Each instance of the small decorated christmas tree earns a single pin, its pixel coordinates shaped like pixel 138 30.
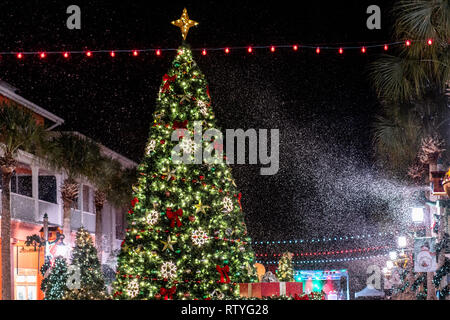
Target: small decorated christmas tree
pixel 55 278
pixel 85 259
pixel 285 271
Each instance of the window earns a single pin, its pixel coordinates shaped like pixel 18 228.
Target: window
pixel 21 184
pixel 47 188
pixel 26 284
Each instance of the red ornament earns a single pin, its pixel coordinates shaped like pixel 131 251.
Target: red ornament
pixel 167 194
pixel 162 141
pixel 191 218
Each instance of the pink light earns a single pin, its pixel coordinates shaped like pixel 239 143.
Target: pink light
pixel 386 47
pixel 295 47
pixel 317 50
pixel 363 49
pixel 158 52
pixel 341 51
pixel 204 52
pixel 272 48
pixel 88 53
pixel 19 56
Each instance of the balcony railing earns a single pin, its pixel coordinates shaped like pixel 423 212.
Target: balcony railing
pixel 23 209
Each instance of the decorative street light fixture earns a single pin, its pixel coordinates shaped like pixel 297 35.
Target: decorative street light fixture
pixel 401 241
pixel 393 255
pixel 417 214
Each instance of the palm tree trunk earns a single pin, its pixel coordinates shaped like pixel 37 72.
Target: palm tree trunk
pixel 100 199
pixel 6 235
pixel 69 192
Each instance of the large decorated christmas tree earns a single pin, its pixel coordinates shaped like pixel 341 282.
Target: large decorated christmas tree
pixel 187 238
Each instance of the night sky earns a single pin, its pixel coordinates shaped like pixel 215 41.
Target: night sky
pixel 323 104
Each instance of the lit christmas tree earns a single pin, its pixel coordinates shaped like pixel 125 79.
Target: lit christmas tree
pixel 187 237
pixel 84 257
pixel 285 271
pixel 55 278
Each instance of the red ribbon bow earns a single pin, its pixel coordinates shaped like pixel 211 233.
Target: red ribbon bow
pixel 167 293
pixel 179 124
pixel 167 80
pixel 173 216
pixel 134 201
pixel 223 272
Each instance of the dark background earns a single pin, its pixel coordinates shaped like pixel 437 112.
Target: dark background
pixel 323 104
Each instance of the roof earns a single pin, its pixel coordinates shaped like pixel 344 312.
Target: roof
pixel 9 91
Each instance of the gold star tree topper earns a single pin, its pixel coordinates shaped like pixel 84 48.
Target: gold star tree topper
pixel 184 23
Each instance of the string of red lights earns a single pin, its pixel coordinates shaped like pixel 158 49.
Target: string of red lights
pixel 158 51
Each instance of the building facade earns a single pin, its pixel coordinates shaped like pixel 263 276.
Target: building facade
pixel 35 192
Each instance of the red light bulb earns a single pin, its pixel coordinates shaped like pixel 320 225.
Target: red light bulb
pixel 295 47
pixel 88 53
pixel 227 50
pixel 363 49
pixel 158 52
pixel 430 42
pixel 204 52
pixel 42 55
pixel 341 51
pixel 249 49
pixel 272 48
pixel 19 56
pixel 408 43
pixel 135 53
pixel 112 54
pixel 386 47
pixel 65 54
pixel 317 50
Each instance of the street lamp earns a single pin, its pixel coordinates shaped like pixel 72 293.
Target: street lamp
pixel 389 264
pixel 393 255
pixel 417 214
pixel 401 241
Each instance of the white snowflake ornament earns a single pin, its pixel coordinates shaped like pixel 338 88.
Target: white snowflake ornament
pixel 152 217
pixel 227 204
pixel 133 288
pixel 199 237
pixel 168 270
pixel 150 147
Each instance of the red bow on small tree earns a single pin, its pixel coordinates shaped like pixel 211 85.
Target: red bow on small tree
pixel 167 81
pixel 134 201
pixel 173 217
pixel 167 293
pixel 223 273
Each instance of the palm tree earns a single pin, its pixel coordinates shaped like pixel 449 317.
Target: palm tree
pixel 116 189
pixel 108 169
pixel 411 84
pixel 18 130
pixel 76 156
